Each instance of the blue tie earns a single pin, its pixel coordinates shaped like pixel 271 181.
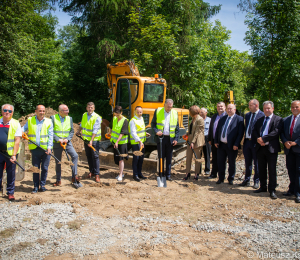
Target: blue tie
pixel 225 127
pixel 250 125
pixel 264 126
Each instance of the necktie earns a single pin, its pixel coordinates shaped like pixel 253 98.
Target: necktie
pixel 264 126
pixel 225 127
pixel 292 127
pixel 250 125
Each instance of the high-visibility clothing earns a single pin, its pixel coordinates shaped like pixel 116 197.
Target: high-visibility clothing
pixel 62 130
pixel 87 127
pixel 116 131
pixel 32 127
pixel 13 127
pixel 140 130
pixel 160 120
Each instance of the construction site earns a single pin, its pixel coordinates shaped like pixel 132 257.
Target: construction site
pixel 137 220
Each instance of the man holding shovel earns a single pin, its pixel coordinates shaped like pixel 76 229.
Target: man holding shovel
pixel 165 123
pixel 10 136
pixel 137 138
pixel 40 131
pixel 91 132
pixel 63 132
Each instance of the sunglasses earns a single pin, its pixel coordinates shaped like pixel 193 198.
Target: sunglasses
pixel 7 110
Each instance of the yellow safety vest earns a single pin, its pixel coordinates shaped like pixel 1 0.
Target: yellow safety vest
pixel 140 130
pixel 160 120
pixel 13 127
pixel 87 127
pixel 116 131
pixel 62 131
pixel 32 126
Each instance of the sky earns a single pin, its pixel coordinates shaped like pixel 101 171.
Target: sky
pixel 230 17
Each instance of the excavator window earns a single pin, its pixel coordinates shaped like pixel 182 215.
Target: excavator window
pixel 153 92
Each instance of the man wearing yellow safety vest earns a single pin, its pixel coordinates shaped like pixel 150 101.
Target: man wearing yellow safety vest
pixel 137 138
pixel 40 131
pixel 10 136
pixel 91 131
pixel 63 132
pixel 165 122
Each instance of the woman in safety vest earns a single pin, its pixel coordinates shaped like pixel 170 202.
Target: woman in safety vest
pixel 119 138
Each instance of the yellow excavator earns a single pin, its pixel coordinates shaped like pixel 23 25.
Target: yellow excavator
pixel 128 89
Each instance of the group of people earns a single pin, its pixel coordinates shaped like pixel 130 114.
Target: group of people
pixel 219 136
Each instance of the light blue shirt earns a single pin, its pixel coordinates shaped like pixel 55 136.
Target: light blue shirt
pixel 206 125
pixel 38 132
pixel 97 124
pixel 224 140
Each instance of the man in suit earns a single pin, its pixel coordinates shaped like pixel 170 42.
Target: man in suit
pixel 211 137
pixel 165 123
pixel 266 133
pixel 249 144
pixel 229 134
pixel 290 136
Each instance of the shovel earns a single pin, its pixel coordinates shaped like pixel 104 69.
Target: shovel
pixel 88 144
pixel 24 136
pixel 138 153
pixel 108 136
pixel 185 137
pixel 76 184
pixel 161 179
pixel 8 157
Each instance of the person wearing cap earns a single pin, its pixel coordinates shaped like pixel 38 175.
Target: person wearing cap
pixel 40 131
pixel 137 131
pixel 63 132
pixel 10 137
pixel 90 130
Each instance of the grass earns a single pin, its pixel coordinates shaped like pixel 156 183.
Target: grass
pixel 20 246
pixel 49 211
pixel 7 232
pixel 27 219
pixel 58 225
pixel 75 224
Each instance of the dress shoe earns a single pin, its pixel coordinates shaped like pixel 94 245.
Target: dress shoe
pixel 90 175
pixel 57 183
pixel 288 194
pixel 212 176
pixel 187 176
pixel 11 197
pixel 136 178
pixel 196 177
pixel 245 183
pixel 260 190
pixel 35 190
pixel 297 200
pixel 256 185
pixel 77 179
pixel 219 182
pixel 141 176
pixel 43 189
pixel 169 179
pixel 273 195
pixel 230 182
pixel 97 178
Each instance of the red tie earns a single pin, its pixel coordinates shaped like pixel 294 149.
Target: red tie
pixel 292 127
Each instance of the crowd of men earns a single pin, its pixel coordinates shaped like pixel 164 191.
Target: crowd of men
pixel 223 132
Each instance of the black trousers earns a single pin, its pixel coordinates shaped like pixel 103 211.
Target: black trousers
pixel 137 161
pixel 267 162
pixel 250 158
pixel 93 158
pixel 225 152
pixel 214 152
pixel 167 152
pixel 207 151
pixel 293 167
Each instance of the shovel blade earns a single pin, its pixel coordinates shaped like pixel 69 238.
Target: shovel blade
pixel 161 182
pixel 77 185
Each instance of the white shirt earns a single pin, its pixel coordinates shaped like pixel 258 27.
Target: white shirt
pixel 167 123
pixel 19 130
pixel 133 129
pixel 224 140
pixel 255 114
pixel 295 121
pixel 266 132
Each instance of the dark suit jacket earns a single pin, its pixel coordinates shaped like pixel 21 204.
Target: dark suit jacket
pixel 285 134
pixel 153 125
pixel 272 137
pixel 235 131
pixel 211 129
pixel 247 121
